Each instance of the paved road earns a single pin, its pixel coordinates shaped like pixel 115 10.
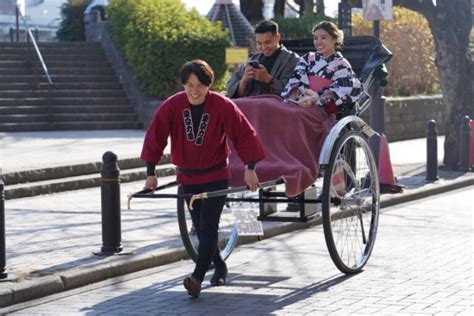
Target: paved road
pixel 422 264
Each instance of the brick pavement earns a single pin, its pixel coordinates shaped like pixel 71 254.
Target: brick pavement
pixel 55 234
pixel 421 265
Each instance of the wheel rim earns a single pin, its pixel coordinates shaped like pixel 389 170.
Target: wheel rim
pixel 228 232
pixel 351 203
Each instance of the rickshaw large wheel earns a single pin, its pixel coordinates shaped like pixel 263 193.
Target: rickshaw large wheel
pixel 350 202
pixel 228 232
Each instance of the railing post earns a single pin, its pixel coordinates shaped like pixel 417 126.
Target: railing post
pixel 110 202
pixel 28 51
pixel 50 105
pixel 431 151
pixel 465 145
pixel 3 255
pixel 36 34
pixel 17 17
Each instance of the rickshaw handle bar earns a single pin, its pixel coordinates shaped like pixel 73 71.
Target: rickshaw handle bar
pixel 206 195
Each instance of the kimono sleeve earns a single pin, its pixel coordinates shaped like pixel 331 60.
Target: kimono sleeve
pixel 345 85
pixel 299 78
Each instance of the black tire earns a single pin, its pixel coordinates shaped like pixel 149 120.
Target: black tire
pixel 228 233
pixel 350 202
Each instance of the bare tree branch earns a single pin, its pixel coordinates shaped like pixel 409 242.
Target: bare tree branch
pixel 292 8
pixel 424 7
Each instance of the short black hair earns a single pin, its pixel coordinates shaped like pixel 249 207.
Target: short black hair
pixel 200 68
pixel 266 26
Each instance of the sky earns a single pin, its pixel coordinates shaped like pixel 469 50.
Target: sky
pixel 203 6
pixel 48 12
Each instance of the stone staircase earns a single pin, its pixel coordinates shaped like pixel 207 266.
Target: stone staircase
pixel 86 93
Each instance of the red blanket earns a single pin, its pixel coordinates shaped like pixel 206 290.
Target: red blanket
pixel 292 137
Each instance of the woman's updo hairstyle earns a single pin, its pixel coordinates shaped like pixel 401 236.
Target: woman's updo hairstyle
pixel 332 30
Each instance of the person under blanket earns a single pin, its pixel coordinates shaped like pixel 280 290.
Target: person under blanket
pixel 200 122
pixel 323 78
pixel 292 130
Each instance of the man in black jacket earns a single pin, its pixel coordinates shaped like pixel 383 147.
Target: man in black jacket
pixel 266 72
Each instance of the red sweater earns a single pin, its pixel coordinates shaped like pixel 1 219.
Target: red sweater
pixel 221 120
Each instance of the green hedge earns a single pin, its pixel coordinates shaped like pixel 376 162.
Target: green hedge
pixel 158 36
pixel 296 28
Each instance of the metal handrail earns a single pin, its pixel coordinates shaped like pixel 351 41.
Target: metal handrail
pixel 40 57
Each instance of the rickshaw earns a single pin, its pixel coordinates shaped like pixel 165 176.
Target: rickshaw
pixel 349 198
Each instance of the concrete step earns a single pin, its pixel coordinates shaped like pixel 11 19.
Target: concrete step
pixel 5 110
pixel 118 93
pixel 93 117
pixel 17 86
pixel 51 50
pixel 107 109
pixel 42 45
pixel 14 64
pixel 24 118
pixel 79 182
pixel 67 171
pixel 69 126
pixel 53 56
pixel 31 79
pixel 67 101
pixel 72 64
pixel 81 71
pixel 68 117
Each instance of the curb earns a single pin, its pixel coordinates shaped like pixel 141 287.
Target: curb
pixel 29 183
pixel 81 276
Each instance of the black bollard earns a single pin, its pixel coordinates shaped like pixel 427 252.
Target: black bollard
pixel 465 145
pixel 431 151
pixel 110 202
pixel 3 255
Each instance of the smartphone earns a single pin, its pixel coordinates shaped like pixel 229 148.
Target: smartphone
pixel 254 63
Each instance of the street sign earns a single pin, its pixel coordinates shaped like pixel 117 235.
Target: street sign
pixel 236 55
pixel 376 10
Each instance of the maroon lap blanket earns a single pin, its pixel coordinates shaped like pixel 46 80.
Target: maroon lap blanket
pixel 292 137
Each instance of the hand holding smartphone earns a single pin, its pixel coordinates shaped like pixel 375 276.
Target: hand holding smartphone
pixel 254 64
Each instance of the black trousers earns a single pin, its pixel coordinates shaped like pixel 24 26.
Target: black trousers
pixel 205 216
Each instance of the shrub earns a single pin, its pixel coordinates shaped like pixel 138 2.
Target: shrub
pixel 158 36
pixel 72 25
pixel 411 70
pixel 296 28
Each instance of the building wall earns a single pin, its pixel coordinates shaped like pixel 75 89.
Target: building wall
pixel 406 117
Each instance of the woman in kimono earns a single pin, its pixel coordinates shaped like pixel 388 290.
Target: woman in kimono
pixel 323 78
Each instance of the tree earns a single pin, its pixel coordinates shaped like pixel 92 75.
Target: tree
pixel 279 8
pixel 308 7
pixel 320 8
pixel 450 23
pixel 252 9
pixel 72 25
